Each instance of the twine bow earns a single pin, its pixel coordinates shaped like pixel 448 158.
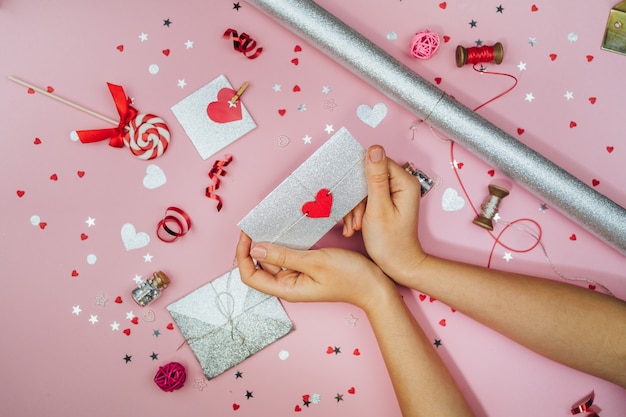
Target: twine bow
pixel 115 134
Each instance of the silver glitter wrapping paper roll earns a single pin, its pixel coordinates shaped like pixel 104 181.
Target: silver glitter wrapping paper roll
pixel 576 200
pixel 225 322
pixel 338 166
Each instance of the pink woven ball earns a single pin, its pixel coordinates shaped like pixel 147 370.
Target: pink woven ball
pixel 424 44
pixel 170 377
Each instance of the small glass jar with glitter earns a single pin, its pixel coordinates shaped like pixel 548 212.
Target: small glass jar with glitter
pixel 150 289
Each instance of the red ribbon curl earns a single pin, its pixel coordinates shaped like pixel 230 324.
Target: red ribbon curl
pixel 175 216
pixel 214 173
pixel 243 43
pixel 115 134
pixel 585 407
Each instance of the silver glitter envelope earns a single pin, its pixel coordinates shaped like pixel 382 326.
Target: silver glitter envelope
pixel 210 120
pixel 310 201
pixel 225 322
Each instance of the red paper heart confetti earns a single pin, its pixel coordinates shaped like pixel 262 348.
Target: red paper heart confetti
pixel 222 110
pixel 432 299
pixel 30 91
pixel 74 273
pixel 80 174
pixel 595 182
pixel 282 112
pixel 572 236
pixel 351 390
pixel 118 299
pixel 438 80
pixel 552 57
pixel 443 5
pixel 296 88
pixel 592 287
pixel 236 406
pixel 120 48
pixel 520 131
pixel 297 48
pixel 295 61
pixel 592 100
pixel 20 193
pixel 54 177
pixel 50 89
pixel 83 236
pixel 422 297
pixel 135 320
pixel 610 149
pixel 127 332
pixel 37 141
pixel 446 39
pixel 534 8
pixel 170 326
pixel 330 350
pixel 42 225
pixel 491 172
pixel 443 322
pixel 589 58
pixel 306 397
pixel 356 352
pixel 166 52
pixel 297 408
pixel 572 124
pixel 321 207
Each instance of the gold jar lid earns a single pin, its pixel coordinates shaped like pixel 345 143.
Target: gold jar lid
pixel 160 279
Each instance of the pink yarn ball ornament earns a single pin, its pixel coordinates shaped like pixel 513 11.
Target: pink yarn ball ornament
pixel 424 44
pixel 170 377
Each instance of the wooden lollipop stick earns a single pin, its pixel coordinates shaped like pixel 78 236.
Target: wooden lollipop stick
pixel 64 101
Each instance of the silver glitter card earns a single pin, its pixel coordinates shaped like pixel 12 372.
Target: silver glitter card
pixel 310 201
pixel 225 322
pixel 210 118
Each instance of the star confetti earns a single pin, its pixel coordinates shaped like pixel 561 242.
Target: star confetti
pixel 437 343
pixel 76 310
pixel 101 300
pixel 128 358
pixel 115 326
pixel 156 333
pixel 147 257
pixel 249 395
pixel 238 375
pixel 339 397
pixel 90 221
pixel 143 37
pixel 351 321
pixel 154 356
pixel 236 6
pixel 329 129
pixel 93 318
pixel 189 44
pixel 167 22
pixel 199 384
pixel 507 256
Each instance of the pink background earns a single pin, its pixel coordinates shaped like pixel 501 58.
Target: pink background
pixel 57 363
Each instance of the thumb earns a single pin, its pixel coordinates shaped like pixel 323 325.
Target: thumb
pixel 281 256
pixel 377 173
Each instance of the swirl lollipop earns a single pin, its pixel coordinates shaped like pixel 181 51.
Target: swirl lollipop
pixel 146 135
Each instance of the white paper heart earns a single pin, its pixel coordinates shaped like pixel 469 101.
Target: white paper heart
pixel 132 239
pixel 451 200
pixel 155 177
pixel 372 116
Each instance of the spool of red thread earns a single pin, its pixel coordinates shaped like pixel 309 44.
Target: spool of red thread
pixel 478 54
pixel 170 377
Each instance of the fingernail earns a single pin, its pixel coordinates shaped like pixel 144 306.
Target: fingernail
pixel 258 252
pixel 376 154
pixel 345 229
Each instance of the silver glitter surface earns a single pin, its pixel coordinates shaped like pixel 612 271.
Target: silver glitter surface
pixel 579 202
pixel 225 321
pixel 338 165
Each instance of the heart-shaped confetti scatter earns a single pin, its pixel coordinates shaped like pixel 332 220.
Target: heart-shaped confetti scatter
pixel 592 100
pixel 120 48
pixel 330 350
pixel 534 8
pixel 74 273
pixel 432 299
pixel 520 131
pixel 451 200
pixel 282 112
pixel 295 61
pixel 118 299
pixel 54 177
pixel 135 320
pixel 372 116
pixel 296 88
pixel 30 91
pixel 132 239
pixel 589 58
pixel 572 124
pixel 609 149
pixel 319 208
pixel 37 141
pixel 443 322
pixel 80 174
pixel 592 287
pixel 491 172
pixel 83 236
pixel 166 52
pixel 42 225
pixel 297 48
pixel 148 316
pixel 236 406
pixel 422 297
pixel 438 80
pixel 443 5
pixel 282 141
pixel 20 193
pixel 595 182
pixel 552 57
pixel 127 332
pixel 446 39
pixel 351 390
pixel 155 177
pixel 297 408
pixel 356 352
pixel 50 89
pixel 572 236
pixel 222 110
pixel 170 326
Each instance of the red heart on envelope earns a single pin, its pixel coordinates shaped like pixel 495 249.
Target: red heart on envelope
pixel 320 207
pixel 222 110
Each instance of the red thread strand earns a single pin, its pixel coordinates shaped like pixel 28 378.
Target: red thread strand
pixel 216 172
pixel 477 55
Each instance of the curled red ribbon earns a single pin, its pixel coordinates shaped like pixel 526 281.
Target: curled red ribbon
pixel 585 407
pixel 243 43
pixel 115 134
pixel 178 218
pixel 214 173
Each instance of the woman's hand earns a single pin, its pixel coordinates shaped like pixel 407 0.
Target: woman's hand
pixel 313 275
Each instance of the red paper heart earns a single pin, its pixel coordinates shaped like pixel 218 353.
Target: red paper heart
pixel 534 8
pixel 236 406
pixel 297 48
pixel 520 131
pixel 432 299
pixel 74 273
pixel 609 149
pixel 453 310
pixel 295 61
pixel 296 88
pixel 54 177
pixel 592 100
pixel 166 52
pixel 127 332
pixel 592 287
pixel 552 57
pixel 118 299
pixel 595 182
pixel 491 172
pixel 443 5
pixel 222 111
pixel 446 39
pixel 330 350
pixel 50 89
pixel 37 141
pixel 135 320
pixel 572 237
pixel 83 236
pixel 351 390
pixel 282 112
pixel 120 48
pixel 438 80
pixel 80 173
pixel 589 58
pixel 170 326
pixel 356 352
pixel 320 207
pixel 297 408
pixel 20 193
pixel 572 124
pixel 422 297
pixel 442 322
pixel 30 91
pixel 42 225
pixel 306 397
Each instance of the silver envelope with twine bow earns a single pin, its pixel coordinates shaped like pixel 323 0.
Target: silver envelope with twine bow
pixel 310 201
pixel 225 322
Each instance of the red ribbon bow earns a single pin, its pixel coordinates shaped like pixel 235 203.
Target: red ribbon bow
pixel 115 134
